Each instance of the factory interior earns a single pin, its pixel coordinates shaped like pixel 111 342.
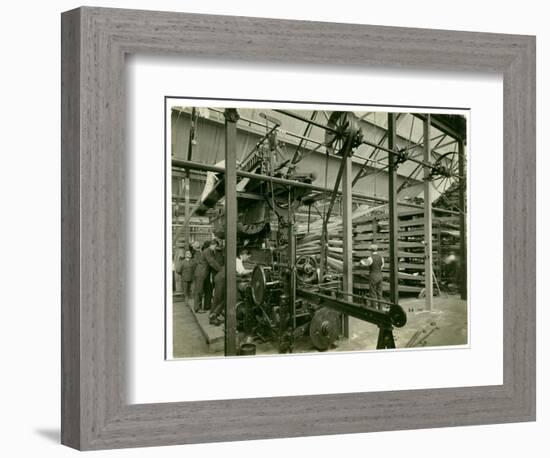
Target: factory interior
pixel 308 230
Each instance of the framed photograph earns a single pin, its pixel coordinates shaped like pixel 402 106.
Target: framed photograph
pixel 277 228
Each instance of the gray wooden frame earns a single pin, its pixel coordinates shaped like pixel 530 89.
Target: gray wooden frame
pixel 95 413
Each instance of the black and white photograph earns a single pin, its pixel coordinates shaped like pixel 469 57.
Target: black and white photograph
pixel 297 228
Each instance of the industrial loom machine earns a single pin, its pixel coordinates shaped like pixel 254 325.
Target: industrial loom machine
pixel 289 296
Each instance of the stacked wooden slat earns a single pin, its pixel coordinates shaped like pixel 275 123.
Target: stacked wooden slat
pixel 309 243
pixel 371 226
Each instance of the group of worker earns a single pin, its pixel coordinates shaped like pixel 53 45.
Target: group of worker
pixel 202 273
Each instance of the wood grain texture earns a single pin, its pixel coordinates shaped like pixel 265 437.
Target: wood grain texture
pixel 70 229
pixel 95 413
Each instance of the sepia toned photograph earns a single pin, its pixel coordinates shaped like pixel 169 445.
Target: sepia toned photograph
pixel 296 228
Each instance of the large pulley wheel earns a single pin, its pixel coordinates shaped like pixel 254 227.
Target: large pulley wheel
pixel 306 269
pixel 446 166
pixel 343 124
pixel 261 275
pixel 324 328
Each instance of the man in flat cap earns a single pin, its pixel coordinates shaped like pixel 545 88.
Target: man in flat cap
pixel 374 262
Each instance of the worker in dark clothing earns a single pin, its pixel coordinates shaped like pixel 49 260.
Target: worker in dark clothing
pixel 213 257
pixel 375 263
pixel 211 264
pixel 218 299
pixel 195 249
pixel 202 288
pixel 186 269
pixel 176 271
pixel 219 258
pixel 218 302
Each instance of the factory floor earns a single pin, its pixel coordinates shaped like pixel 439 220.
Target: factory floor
pixel 445 325
pixel 188 339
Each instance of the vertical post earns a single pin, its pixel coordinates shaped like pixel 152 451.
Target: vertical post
pixel 439 251
pixel 428 265
pixel 231 118
pixel 346 203
pixel 324 242
pixel 187 223
pixel 188 178
pixel 392 196
pixel 463 209
pixel 292 264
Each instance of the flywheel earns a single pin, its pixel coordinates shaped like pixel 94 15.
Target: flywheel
pixel 324 328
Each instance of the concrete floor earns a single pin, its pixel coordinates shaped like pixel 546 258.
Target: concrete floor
pixel 445 325
pixel 188 340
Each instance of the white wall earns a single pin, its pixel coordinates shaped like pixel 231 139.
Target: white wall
pixel 29 199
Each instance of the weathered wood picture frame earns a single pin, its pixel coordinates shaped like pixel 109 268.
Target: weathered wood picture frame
pixel 95 412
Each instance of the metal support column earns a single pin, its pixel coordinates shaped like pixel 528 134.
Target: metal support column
pixel 188 179
pixel 393 226
pixel 292 267
pixel 348 236
pixel 346 153
pixel 187 186
pixel 462 205
pixel 428 265
pixel 231 118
